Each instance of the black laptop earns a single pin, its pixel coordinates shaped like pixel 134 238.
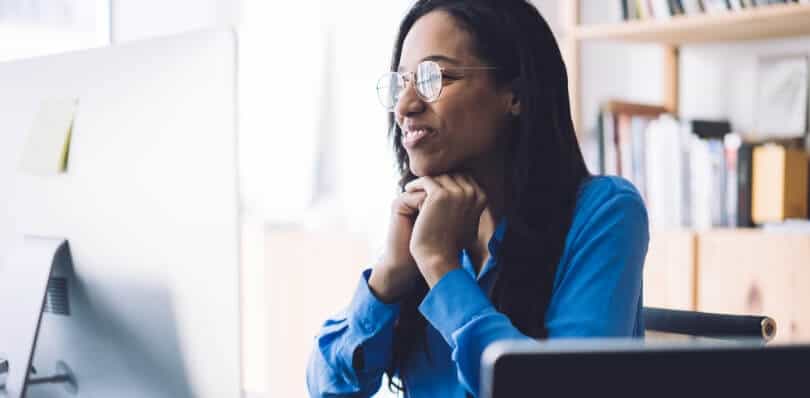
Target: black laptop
pixel 639 368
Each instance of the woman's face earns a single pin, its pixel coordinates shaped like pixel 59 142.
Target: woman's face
pixel 458 131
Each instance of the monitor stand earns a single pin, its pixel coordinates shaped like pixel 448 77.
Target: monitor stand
pixel 23 288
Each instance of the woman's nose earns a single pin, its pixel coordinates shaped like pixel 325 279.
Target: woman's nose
pixel 409 102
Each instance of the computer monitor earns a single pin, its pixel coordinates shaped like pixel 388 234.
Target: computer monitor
pixel 149 206
pixel 635 368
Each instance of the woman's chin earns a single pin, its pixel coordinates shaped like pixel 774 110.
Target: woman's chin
pixel 422 169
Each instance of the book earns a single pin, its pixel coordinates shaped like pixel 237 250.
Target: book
pixel 744 170
pixel 695 173
pixel 692 7
pixel 651 149
pixel 676 7
pixel 610 158
pixel 590 148
pixel 624 146
pixel 736 5
pixel 715 6
pixel 717 174
pixel 611 145
pixel 709 129
pixel 615 137
pixel 645 9
pixel 732 143
pixel 632 9
pixel 638 128
pixel 664 172
pixel 685 183
pixel 700 183
pixel 616 13
pixel 779 183
pixel 661 9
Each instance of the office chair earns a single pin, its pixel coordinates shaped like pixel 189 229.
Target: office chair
pixel 704 324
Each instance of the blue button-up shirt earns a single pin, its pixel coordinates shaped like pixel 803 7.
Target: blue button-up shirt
pixel 597 292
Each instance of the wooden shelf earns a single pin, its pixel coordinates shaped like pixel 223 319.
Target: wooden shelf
pixel 773 21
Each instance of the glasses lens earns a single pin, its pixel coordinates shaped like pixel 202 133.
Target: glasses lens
pixel 388 89
pixel 429 80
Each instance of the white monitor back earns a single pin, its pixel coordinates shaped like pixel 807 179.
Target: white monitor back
pixel 149 205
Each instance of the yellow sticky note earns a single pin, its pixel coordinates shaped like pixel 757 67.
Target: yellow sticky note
pixel 47 148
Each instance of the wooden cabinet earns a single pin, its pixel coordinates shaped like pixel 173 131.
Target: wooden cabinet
pixel 736 274
pixel 735 271
pixel 755 272
pixel 669 271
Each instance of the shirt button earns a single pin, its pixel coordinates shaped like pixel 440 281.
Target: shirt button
pixel 365 325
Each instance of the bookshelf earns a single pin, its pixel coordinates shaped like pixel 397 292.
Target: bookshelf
pixel 764 22
pixel 718 270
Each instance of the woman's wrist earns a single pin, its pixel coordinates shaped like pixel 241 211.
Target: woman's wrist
pixel 434 269
pixel 388 284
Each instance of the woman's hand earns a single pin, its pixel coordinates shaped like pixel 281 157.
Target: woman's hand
pixel 447 222
pixel 396 271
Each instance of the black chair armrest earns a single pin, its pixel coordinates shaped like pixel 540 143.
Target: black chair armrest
pixel 704 324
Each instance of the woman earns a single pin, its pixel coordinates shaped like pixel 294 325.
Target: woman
pixel 499 232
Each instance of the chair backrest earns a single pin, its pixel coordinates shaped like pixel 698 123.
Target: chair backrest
pixel 704 324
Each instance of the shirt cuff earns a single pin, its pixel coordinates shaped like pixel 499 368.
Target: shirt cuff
pixel 368 312
pixel 453 302
pixel 374 321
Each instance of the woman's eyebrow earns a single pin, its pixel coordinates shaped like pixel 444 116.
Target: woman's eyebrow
pixel 437 58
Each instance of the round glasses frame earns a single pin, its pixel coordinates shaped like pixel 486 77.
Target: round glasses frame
pixel 389 101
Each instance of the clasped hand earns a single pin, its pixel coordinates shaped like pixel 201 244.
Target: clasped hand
pixel 447 221
pixel 431 222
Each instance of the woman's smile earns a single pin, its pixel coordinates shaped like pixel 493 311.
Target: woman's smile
pixel 414 137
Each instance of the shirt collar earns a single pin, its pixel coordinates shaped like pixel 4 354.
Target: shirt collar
pixel 493 246
pixel 497 237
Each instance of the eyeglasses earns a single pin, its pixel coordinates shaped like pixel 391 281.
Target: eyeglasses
pixel 428 78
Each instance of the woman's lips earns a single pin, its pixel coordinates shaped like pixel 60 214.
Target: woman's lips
pixel 412 138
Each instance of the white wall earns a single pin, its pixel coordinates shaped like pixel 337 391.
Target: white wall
pixel 720 80
pixel 27 29
pixel 140 19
